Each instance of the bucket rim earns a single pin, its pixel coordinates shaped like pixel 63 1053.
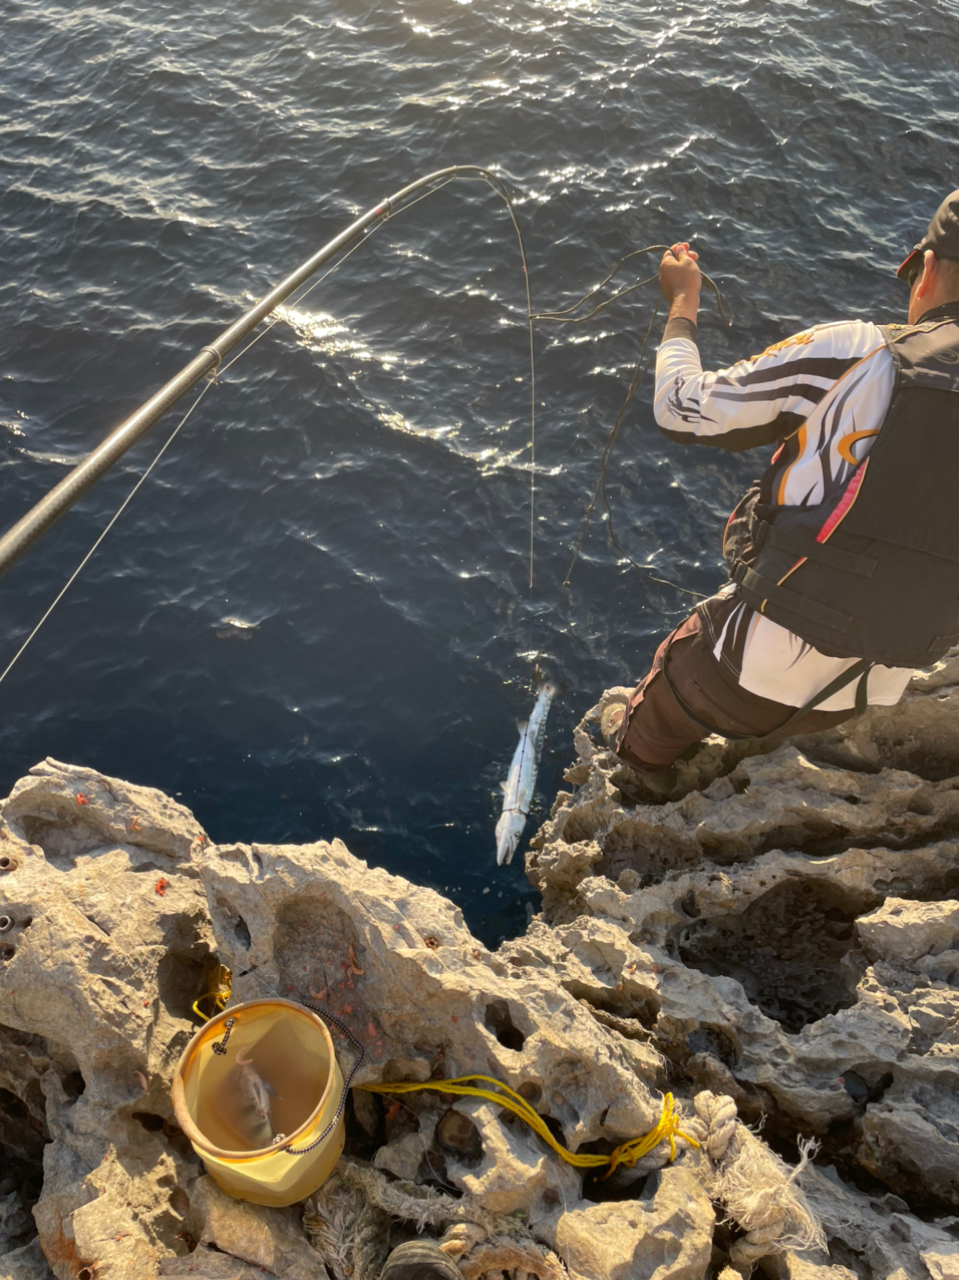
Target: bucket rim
pixel 201 1036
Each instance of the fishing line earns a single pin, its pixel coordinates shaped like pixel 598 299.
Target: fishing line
pixel 126 502
pixel 294 301
pixel 565 316
pixel 501 190
pixel 389 207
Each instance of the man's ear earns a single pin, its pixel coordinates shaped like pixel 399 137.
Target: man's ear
pixel 929 271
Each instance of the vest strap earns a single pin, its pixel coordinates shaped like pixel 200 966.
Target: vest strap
pixel 943 643
pixel 768 591
pixel 858 671
pixel 795 544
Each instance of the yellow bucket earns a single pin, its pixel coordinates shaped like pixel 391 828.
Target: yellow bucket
pixel 290 1051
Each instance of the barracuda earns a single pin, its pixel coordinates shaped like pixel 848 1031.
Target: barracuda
pixel 521 781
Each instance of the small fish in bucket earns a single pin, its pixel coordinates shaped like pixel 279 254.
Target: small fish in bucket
pixel 259 1093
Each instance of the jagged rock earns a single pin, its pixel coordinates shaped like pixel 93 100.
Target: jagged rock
pixel 517 1173
pixel 800 1266
pixel 877 1230
pixel 105 954
pixel 919 734
pixel 943 1263
pixel 120 907
pixel 783 928
pixel 777 925
pixel 266 1238
pixel 16 1223
pixel 405 1154
pixel 906 931
pixel 398 965
pixel 26 1263
pixel 666 1232
pixel 457 1134
pixel 210 1264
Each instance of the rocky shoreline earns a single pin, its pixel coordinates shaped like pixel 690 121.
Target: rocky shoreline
pixel 778 939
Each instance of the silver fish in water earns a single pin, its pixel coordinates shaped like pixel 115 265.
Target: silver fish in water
pixel 253 1106
pixel 521 781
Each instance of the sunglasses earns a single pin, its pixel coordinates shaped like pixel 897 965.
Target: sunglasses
pixel 914 270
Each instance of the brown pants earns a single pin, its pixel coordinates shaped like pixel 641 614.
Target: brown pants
pixel 655 729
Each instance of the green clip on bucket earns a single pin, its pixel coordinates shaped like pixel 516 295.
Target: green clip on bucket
pixel 291 1050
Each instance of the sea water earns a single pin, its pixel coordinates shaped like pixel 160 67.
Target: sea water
pixel 315 618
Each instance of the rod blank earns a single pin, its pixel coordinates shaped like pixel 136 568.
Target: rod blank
pixel 62 496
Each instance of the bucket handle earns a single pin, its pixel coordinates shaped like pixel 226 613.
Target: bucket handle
pixel 361 1053
pixel 220 1046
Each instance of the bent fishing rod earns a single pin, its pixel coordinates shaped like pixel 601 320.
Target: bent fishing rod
pixel 17 540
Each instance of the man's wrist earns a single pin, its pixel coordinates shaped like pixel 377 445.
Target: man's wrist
pixel 680 327
pixel 685 306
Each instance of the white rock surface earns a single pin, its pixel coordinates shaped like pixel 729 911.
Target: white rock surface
pixel 783 930
pixel 907 931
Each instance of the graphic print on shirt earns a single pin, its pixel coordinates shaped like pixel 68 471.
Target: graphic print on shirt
pixel 821 395
pixel 822 461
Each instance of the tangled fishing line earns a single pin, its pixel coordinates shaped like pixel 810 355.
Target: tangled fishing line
pixel 569 316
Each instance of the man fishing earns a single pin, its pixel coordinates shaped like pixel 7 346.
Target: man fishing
pixel 844 557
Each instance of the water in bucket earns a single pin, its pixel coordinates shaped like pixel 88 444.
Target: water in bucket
pixel 252 1110
pixel 265 1088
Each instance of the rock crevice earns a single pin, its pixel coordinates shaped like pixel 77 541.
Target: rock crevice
pixel 779 932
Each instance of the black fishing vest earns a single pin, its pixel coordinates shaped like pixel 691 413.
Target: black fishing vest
pixel 873 572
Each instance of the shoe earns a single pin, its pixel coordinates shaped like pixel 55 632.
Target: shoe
pixel 419 1260
pixel 610 723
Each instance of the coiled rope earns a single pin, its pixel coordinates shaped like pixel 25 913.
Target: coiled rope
pixel 758 1190
pixel 628 1153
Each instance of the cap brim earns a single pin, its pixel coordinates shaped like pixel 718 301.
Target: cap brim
pixel 906 261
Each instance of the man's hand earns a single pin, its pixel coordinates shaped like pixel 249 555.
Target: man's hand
pixel 680 276
pixel 680 279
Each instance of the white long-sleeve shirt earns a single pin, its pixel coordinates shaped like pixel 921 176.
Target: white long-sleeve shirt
pixel 823 394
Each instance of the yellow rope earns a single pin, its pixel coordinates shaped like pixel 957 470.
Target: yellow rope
pixel 219 980
pixel 627 1153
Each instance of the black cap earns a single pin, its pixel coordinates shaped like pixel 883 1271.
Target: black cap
pixel 942 234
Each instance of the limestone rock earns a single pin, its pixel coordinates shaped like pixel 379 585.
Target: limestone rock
pixel 906 931
pixel 800 1266
pixel 518 1172
pixel 104 953
pixel 782 926
pixel 942 1263
pixel 26 1263
pixel 777 926
pixel 209 1264
pixel 666 1232
pixel 398 965
pixel 266 1238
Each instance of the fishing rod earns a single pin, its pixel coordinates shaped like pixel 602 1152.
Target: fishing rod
pixel 18 539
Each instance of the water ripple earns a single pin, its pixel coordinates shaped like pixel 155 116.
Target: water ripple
pixel 314 620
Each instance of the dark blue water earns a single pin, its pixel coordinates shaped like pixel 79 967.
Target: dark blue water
pixel 314 619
